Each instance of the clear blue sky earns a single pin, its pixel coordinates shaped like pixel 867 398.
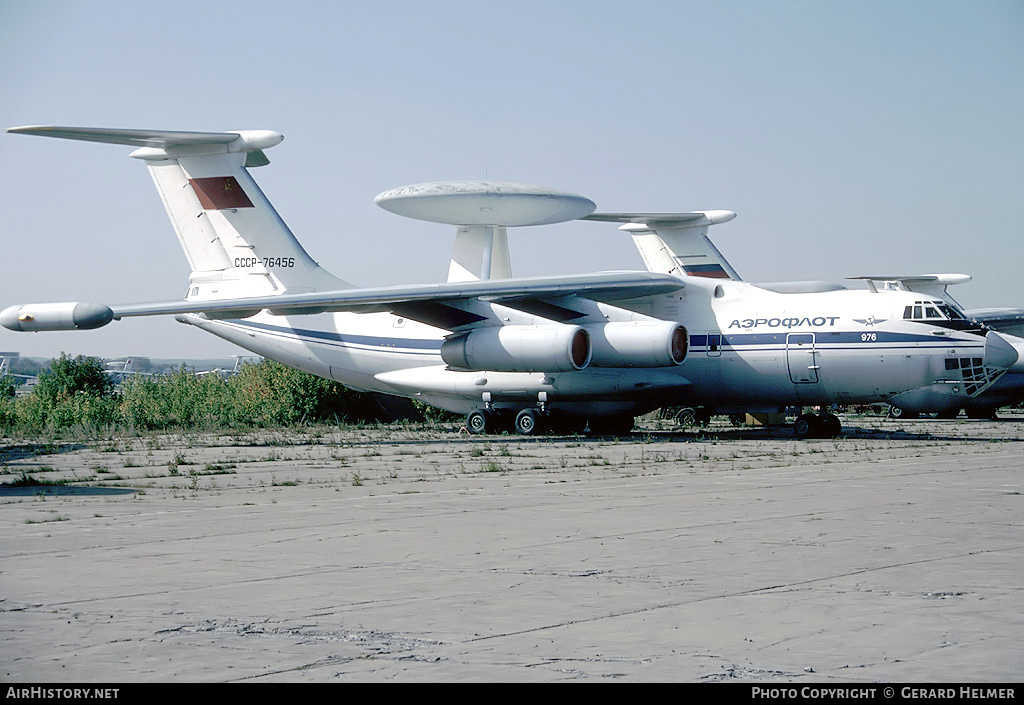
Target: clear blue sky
pixel 851 137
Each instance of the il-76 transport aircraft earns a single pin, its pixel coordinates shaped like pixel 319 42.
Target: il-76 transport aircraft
pixel 688 249
pixel 529 353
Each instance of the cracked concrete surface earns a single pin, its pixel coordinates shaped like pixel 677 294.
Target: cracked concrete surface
pixel 891 554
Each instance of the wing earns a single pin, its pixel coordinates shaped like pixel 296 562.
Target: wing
pixel 443 305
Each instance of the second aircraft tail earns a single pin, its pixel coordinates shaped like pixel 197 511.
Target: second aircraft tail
pixel 676 243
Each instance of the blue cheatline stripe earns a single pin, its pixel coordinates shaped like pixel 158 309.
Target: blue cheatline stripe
pixel 824 340
pixel 417 345
pixel 843 340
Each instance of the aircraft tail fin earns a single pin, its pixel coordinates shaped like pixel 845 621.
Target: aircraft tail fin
pixel 676 243
pixel 235 242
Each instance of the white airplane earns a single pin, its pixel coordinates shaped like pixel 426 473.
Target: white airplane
pixel 527 353
pixel 934 305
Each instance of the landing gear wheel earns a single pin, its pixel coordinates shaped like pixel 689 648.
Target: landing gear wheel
pixel 479 421
pixel 817 426
pixel 686 417
pixel 529 422
pixel 805 426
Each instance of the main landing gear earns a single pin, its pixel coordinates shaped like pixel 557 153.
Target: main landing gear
pixel 534 420
pixel 528 422
pixel 823 425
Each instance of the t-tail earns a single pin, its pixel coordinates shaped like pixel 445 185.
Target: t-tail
pixel 235 242
pixel 676 243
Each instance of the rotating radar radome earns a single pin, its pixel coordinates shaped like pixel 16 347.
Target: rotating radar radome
pixel 494 203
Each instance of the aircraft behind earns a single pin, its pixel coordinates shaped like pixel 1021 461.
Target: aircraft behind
pixel 660 243
pixel 563 353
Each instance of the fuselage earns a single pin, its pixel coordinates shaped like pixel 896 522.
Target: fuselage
pixel 750 349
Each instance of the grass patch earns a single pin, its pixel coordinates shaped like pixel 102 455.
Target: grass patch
pixel 27 480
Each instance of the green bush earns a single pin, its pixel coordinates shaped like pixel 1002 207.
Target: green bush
pixel 182 399
pixel 77 392
pixel 74 391
pixel 8 385
pixel 69 376
pixel 272 394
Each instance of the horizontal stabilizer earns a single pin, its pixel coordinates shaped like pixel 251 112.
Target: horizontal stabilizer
pixel 136 138
pixel 665 220
pixel 927 284
pixel 919 279
pixel 163 144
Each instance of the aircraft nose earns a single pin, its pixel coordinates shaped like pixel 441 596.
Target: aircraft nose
pixel 1001 352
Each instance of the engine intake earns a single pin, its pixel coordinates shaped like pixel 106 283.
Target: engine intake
pixel 638 344
pixel 515 348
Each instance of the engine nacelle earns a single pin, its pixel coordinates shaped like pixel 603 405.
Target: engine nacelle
pixel 63 316
pixel 513 348
pixel 638 344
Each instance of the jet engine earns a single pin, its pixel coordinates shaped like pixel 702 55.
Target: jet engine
pixel 637 344
pixel 518 348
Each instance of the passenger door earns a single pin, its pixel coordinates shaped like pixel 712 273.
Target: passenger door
pixel 802 358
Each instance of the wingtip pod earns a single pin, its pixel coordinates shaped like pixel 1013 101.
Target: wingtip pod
pixel 63 316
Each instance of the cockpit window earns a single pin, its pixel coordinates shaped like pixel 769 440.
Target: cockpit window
pixel 927 310
pixel 937 313
pixel 951 313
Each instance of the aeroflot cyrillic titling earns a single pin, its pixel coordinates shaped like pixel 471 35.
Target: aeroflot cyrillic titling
pixel 794 322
